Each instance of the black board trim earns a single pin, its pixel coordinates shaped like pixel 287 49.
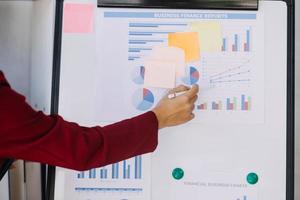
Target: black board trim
pixel 59 8
pixel 183 4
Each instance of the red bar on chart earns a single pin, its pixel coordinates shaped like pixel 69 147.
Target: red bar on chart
pixel 246 106
pixel 245 47
pixel 202 106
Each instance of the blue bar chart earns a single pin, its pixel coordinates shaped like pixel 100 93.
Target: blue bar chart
pixel 126 170
pixel 138 167
pixel 121 180
pixel 80 175
pixel 144 35
pixel 103 173
pixel 92 173
pixel 243 198
pixel 225 45
pixel 238 42
pixel 115 171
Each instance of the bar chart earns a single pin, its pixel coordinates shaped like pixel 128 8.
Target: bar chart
pixel 92 173
pixel 103 173
pixel 127 170
pixel 243 198
pixel 238 42
pixel 202 106
pixel 143 36
pixel 127 179
pixel 216 105
pixel 231 104
pixel 241 103
pixel 245 104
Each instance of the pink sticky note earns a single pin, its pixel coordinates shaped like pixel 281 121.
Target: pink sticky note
pixel 78 18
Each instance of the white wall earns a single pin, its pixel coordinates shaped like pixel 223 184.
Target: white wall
pixel 41 53
pixel 297 157
pixel 15 26
pixel 4 195
pixel 26 46
pixel 41 75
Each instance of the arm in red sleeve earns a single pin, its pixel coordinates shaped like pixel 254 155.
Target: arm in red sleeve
pixel 30 135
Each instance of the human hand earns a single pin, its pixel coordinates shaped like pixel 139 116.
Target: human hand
pixel 178 110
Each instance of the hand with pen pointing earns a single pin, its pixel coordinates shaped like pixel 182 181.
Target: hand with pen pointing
pixel 177 109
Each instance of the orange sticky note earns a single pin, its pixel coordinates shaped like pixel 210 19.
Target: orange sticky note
pixel 78 18
pixel 189 42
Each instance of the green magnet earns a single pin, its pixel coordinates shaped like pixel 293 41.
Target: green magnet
pixel 178 173
pixel 252 178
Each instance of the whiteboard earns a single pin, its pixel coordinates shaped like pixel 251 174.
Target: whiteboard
pixel 243 135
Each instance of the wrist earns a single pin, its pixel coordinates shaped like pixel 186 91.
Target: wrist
pixel 159 117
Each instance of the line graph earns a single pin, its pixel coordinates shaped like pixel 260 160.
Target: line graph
pixel 231 81
pixel 232 69
pixel 227 71
pixel 230 75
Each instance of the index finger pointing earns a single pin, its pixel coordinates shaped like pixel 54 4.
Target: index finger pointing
pixel 180 88
pixel 193 91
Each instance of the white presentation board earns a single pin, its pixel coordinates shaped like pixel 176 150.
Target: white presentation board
pixel 234 149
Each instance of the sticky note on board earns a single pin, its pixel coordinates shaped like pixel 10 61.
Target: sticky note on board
pixel 159 74
pixel 189 42
pixel 78 18
pixel 210 35
pixel 170 54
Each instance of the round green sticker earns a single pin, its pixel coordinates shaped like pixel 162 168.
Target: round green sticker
pixel 252 178
pixel 178 173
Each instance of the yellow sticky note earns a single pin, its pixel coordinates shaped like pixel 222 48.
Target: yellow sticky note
pixel 189 42
pixel 210 35
pixel 159 74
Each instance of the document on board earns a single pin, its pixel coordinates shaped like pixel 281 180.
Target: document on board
pixel 222 52
pixel 221 185
pixel 128 179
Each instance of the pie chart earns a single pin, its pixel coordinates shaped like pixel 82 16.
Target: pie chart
pixel 192 76
pixel 143 99
pixel 138 75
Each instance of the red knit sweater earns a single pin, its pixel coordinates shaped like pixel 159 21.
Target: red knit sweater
pixel 30 135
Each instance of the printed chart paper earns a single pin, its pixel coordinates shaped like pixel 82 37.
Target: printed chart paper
pixel 128 179
pixel 222 54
